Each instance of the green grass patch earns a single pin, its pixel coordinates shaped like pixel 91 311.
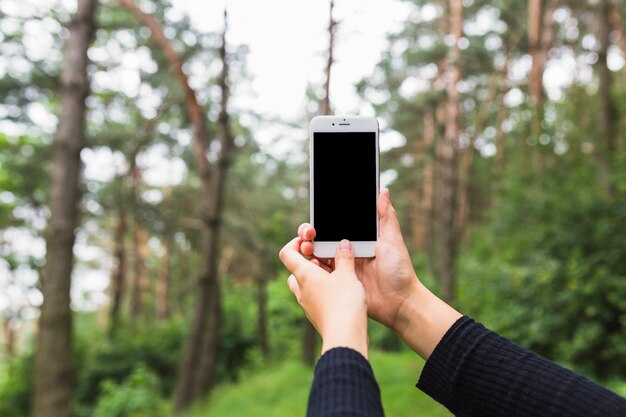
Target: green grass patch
pixel 283 390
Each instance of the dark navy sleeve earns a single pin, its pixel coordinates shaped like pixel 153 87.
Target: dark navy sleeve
pixel 344 385
pixel 475 372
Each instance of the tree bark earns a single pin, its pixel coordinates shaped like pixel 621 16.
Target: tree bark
pixel 118 279
pixel 540 38
pixel 199 359
pixel 309 334
pixel 261 296
pixel 448 162
pixel 428 190
pixel 54 367
pixel 325 105
pixel 535 21
pixel 141 282
pixel 606 145
pixel 467 159
pixel 9 335
pixel 163 284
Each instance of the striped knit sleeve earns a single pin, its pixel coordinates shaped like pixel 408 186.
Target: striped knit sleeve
pixel 475 372
pixel 344 385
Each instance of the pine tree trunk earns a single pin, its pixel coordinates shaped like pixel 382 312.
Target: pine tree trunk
pixel 118 279
pixel 540 38
pixel 199 358
pixel 261 297
pixel 309 334
pixel 606 145
pixel 140 277
pixel 325 105
pixel 448 160
pixel 196 375
pixel 9 336
pixel 54 368
pixel 163 284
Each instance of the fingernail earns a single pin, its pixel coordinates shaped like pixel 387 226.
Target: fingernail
pixel 345 246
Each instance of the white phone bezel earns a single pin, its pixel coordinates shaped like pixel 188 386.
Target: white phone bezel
pixel 362 249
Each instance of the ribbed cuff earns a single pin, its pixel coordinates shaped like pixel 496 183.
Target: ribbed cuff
pixel 344 385
pixel 440 369
pixel 342 358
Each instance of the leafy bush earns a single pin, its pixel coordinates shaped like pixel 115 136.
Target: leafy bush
pixel 157 346
pixel 555 267
pixel 137 396
pixel 15 385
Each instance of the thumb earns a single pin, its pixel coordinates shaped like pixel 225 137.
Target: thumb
pixel 389 226
pixel 344 258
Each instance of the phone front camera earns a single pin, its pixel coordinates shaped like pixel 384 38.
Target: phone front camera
pixel 333 124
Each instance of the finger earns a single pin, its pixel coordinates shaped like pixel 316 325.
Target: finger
pixel 344 258
pixel 295 263
pixel 306 231
pixel 292 282
pixel 306 248
pixel 388 221
pixel 321 264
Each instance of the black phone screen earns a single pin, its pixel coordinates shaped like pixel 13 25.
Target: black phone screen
pixel 344 186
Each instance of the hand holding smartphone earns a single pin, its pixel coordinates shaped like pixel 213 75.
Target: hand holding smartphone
pixel 344 175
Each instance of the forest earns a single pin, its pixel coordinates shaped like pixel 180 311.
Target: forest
pixel 143 199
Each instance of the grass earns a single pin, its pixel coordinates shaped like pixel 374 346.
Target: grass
pixel 282 391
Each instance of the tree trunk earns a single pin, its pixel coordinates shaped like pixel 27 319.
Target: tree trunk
pixel 422 202
pixel 183 280
pixel 54 368
pixel 535 87
pixel 261 297
pixel 606 145
pixel 118 280
pixel 9 335
pixel 325 105
pixel 140 277
pixel 163 284
pixel 448 159
pixel 617 25
pixel 540 38
pixel 140 251
pixel 199 359
pixel 309 334
pixel 467 159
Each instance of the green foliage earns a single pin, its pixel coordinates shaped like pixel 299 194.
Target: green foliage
pixel 157 346
pixel 137 396
pixel 283 390
pixel 15 385
pixel 23 175
pixel 238 331
pixel 555 262
pixel 285 320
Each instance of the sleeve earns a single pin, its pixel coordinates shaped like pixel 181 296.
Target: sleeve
pixel 475 372
pixel 344 385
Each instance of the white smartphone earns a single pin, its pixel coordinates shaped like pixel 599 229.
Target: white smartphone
pixel 344 170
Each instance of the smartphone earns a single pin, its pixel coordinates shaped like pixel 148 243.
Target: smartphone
pixel 344 183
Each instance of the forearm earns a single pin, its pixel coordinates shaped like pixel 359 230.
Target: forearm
pixel 475 372
pixel 423 319
pixel 343 385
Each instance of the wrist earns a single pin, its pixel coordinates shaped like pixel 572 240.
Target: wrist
pixel 423 319
pixel 348 333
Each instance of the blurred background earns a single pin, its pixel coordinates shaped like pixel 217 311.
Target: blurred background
pixel 153 160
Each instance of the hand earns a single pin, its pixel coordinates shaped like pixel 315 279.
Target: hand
pixel 395 296
pixel 389 278
pixel 334 301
